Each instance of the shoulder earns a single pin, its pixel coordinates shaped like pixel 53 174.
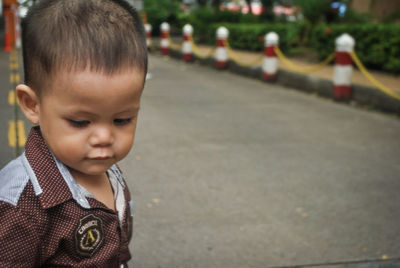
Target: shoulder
pixel 13 180
pixel 19 237
pixel 18 233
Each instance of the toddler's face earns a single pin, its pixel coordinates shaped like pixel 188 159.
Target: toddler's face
pixel 89 119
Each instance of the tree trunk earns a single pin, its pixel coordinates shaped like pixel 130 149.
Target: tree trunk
pixel 248 2
pixel 216 4
pixel 267 12
pixel 202 3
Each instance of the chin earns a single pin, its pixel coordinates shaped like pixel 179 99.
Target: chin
pixel 97 171
pixel 94 171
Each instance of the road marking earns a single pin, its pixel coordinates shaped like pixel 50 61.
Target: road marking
pixel 13 131
pixel 21 133
pixel 12 135
pixel 14 78
pixel 13 57
pixel 16 128
pixel 14 66
pixel 12 98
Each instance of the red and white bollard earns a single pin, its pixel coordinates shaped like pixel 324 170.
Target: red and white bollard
pixel 187 45
pixel 148 28
pixel 165 38
pixel 343 67
pixel 221 54
pixel 270 62
pixel 7 29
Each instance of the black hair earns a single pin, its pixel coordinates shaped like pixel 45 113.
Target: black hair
pixel 72 35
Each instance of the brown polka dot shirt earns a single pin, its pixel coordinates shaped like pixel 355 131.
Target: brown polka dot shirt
pixel 47 221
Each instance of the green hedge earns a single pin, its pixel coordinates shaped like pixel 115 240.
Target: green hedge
pixel 377 45
pixel 202 18
pixel 251 36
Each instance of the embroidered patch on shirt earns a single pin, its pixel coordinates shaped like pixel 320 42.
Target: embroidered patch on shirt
pixel 89 235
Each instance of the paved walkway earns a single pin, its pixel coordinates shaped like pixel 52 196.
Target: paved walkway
pixel 391 81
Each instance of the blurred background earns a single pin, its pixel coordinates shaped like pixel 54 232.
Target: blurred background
pixel 307 28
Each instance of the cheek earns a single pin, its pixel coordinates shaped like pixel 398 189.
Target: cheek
pixel 125 143
pixel 69 145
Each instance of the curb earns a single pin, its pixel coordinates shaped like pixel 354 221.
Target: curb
pixel 368 97
pixel 395 263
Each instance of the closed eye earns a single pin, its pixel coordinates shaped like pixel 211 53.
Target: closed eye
pixel 79 123
pixel 122 121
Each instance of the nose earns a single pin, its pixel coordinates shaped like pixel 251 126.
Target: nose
pixel 102 136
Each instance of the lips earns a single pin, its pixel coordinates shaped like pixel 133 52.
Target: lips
pixel 100 158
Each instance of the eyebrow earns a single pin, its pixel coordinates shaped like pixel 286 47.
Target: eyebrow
pixel 133 110
pixel 83 113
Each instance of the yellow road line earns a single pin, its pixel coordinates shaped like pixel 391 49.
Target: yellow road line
pixel 14 65
pixel 13 131
pixel 12 135
pixel 12 100
pixel 16 128
pixel 21 133
pixel 13 57
pixel 15 78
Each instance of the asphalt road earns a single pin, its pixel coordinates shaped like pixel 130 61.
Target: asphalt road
pixel 8 113
pixel 232 172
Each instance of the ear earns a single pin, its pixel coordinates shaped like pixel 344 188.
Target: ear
pixel 29 103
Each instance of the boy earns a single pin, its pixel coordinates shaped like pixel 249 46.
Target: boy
pixel 63 202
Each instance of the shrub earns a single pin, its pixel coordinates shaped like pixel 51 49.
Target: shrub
pixel 251 36
pixel 377 45
pixel 201 19
pixel 159 11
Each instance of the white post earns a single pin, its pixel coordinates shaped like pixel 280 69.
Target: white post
pixel 343 67
pixel 221 54
pixel 187 45
pixel 148 29
pixel 165 38
pixel 270 62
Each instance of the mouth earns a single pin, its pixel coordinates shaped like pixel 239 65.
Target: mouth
pixel 100 158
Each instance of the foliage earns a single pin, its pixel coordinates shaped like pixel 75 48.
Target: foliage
pixel 314 10
pixel 394 16
pixel 159 11
pixel 377 45
pixel 353 16
pixel 251 36
pixel 267 12
pixel 201 19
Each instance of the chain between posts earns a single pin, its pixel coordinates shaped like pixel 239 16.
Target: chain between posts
pixel 299 69
pixel 198 53
pixel 368 75
pixel 233 57
pixel 173 45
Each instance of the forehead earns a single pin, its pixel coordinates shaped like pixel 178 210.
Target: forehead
pixel 94 84
pixel 95 93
